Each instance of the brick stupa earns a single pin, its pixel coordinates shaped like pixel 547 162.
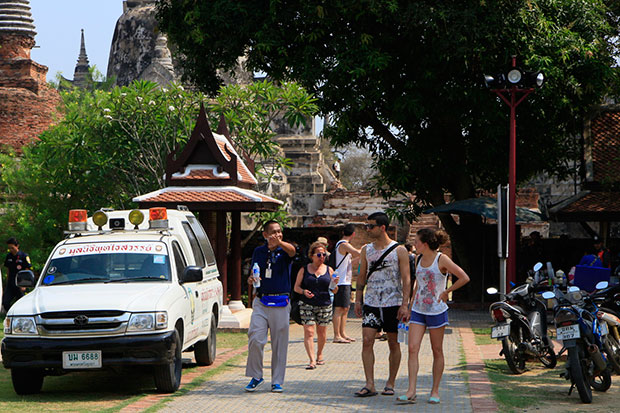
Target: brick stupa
pixel 27 104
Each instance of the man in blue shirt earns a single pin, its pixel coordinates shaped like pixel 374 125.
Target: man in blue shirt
pixel 15 261
pixel 271 308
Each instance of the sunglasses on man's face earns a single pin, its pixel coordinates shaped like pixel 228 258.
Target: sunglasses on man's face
pixel 371 226
pixel 321 254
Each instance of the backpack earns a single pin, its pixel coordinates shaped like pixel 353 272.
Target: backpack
pixel 331 260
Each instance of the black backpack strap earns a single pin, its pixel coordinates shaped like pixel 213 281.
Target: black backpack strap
pixel 375 266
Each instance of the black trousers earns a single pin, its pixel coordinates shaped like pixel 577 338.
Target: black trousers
pixel 11 295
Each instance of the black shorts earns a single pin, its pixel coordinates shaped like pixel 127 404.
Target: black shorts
pixel 380 318
pixel 342 298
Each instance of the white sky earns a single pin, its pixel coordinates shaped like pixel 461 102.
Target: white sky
pixel 58 24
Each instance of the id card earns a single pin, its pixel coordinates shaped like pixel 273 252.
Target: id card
pixel 268 272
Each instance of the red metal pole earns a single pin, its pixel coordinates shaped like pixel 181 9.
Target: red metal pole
pixel 512 192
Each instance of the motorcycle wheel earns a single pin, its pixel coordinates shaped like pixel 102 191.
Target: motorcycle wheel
pixel 601 382
pixel 612 350
pixel 515 363
pixel 547 355
pixel 577 376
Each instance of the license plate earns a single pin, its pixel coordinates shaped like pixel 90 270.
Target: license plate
pixel 500 331
pixel 81 359
pixel 604 328
pixel 568 332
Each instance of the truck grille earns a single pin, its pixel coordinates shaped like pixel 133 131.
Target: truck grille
pixel 82 323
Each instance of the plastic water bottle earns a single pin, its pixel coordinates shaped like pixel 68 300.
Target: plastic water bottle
pixel 256 275
pixel 401 332
pixel 406 333
pixel 332 283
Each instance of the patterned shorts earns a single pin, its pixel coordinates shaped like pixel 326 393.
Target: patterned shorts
pixel 313 314
pixel 380 318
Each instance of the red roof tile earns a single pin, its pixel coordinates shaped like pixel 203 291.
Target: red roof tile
pixel 242 169
pixel 605 139
pixel 608 202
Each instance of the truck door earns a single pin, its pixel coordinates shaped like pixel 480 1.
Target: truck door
pixel 191 293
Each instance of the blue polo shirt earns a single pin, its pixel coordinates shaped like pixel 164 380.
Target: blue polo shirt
pixel 280 281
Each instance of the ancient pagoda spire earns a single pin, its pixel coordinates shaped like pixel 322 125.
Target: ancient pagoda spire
pixel 15 17
pixel 81 75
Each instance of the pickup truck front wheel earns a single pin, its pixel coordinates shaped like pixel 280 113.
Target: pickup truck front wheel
pixel 168 376
pixel 205 350
pixel 27 381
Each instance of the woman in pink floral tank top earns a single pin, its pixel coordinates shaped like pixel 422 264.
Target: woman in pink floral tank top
pixel 429 308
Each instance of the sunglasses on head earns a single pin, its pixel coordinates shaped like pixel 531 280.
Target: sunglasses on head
pixel 371 226
pixel 321 254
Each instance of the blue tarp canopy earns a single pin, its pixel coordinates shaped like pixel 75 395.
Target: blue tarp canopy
pixel 484 206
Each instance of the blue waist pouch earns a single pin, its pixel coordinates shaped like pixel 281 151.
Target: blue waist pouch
pixel 275 300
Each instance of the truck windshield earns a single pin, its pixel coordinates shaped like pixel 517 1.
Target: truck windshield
pixel 104 268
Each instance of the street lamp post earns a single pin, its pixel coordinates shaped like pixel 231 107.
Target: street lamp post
pixel 517 84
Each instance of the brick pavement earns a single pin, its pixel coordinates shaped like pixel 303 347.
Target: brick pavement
pixel 331 387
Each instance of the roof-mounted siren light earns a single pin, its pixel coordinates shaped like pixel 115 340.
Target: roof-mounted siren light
pixel 77 219
pixel 100 218
pixel 158 218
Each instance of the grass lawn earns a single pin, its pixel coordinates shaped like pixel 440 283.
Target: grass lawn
pixel 96 391
pixel 483 336
pixel 514 392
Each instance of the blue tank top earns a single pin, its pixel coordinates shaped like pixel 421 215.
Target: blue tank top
pixel 319 286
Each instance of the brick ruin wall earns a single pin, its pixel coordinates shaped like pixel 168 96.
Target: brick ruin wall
pixel 28 106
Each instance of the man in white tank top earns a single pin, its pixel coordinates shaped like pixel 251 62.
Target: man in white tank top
pixel 347 257
pixel 385 302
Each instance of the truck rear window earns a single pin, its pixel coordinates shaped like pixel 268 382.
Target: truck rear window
pixel 93 263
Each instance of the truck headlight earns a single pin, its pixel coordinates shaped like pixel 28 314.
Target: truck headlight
pixel 21 325
pixel 141 322
pixel 147 321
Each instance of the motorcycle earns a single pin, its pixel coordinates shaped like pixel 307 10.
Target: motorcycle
pixel 521 325
pixel 582 334
pixel 608 301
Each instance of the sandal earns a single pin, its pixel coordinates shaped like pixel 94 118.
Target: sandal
pixel 341 340
pixel 320 362
pixel 388 391
pixel 406 400
pixel 434 400
pixel 365 392
pixel 350 340
pixel 311 367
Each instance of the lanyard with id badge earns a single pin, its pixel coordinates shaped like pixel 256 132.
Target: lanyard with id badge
pixel 273 300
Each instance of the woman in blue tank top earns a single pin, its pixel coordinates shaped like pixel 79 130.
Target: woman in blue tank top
pixel 314 282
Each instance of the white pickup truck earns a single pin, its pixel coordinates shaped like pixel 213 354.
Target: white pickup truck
pixel 117 292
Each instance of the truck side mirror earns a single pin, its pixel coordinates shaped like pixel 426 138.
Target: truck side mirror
pixel 25 278
pixel 191 273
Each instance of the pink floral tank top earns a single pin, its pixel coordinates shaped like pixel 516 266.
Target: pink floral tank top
pixel 431 283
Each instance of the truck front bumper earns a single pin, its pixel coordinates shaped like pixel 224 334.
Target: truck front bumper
pixel 148 349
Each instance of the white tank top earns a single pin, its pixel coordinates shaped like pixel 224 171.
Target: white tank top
pixel 345 270
pixel 431 283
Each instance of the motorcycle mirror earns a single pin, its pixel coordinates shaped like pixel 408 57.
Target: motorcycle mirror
pixel 601 285
pixel 492 290
pixel 573 289
pixel 547 295
pixel 538 266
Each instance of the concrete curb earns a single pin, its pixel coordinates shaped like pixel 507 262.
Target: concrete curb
pixel 480 392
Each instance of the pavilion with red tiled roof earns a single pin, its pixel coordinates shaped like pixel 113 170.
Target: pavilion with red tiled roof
pixel 599 199
pixel 211 178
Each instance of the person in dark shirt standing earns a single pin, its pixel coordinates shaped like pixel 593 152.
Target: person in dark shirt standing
pixel 271 308
pixel 15 261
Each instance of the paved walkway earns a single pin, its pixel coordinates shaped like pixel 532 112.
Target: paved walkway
pixel 330 387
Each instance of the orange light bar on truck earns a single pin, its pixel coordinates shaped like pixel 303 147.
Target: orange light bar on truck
pixel 77 219
pixel 158 218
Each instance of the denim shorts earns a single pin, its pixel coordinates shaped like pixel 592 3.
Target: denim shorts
pixel 430 321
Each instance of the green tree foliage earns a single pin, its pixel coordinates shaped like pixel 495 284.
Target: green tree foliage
pixel 111 146
pixel 404 79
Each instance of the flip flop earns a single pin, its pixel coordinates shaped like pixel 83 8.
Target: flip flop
pixel 320 362
pixel 310 367
pixel 342 341
pixel 434 400
pixel 365 392
pixel 405 400
pixel 388 391
pixel 351 340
